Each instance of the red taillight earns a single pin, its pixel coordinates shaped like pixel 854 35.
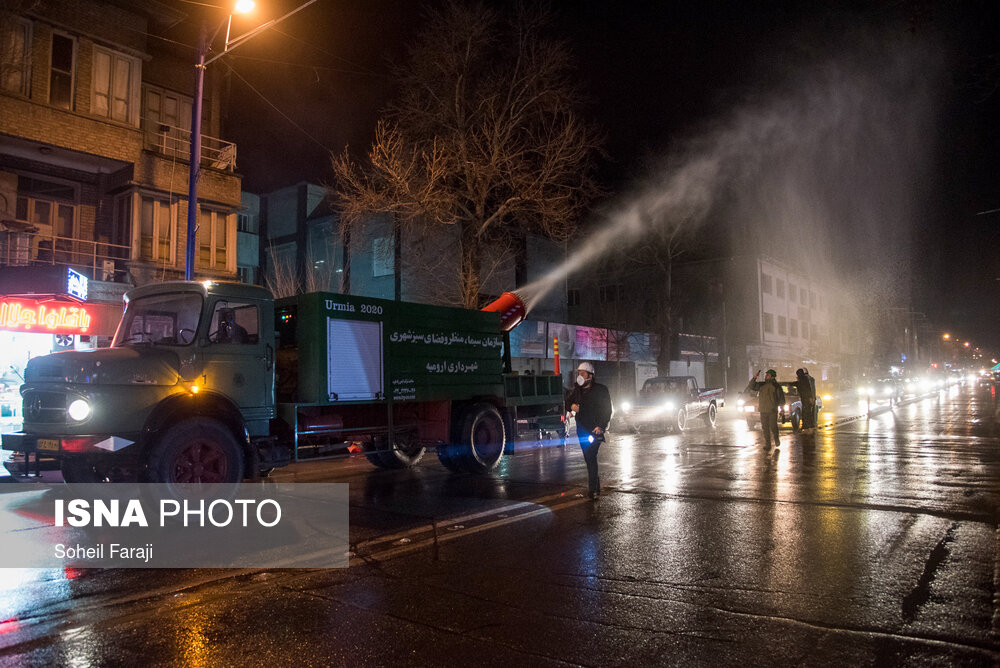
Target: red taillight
pixel 78 444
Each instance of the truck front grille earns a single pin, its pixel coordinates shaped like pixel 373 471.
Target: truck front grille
pixel 42 406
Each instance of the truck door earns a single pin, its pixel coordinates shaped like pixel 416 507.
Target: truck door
pixel 695 397
pixel 239 359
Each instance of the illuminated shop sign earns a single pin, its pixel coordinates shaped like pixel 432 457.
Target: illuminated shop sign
pixel 76 285
pixel 44 316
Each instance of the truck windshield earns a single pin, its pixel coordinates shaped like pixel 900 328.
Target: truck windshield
pixel 170 320
pixel 665 386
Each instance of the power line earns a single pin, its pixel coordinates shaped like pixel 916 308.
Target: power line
pixel 305 66
pixel 273 106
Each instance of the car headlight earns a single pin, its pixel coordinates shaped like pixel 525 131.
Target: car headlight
pixel 626 406
pixel 887 391
pixel 668 406
pixel 786 408
pixel 79 410
pixel 740 403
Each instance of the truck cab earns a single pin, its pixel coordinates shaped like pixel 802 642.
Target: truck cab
pixel 187 359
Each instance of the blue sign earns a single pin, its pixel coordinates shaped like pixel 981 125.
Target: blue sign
pixel 76 285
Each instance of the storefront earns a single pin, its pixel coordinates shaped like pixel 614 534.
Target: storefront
pixel 46 310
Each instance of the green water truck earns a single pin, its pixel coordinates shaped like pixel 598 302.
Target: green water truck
pixel 218 381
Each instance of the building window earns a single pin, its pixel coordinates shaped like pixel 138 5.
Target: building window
pixel 167 120
pixel 793 328
pixel 246 274
pixel 609 294
pixel 15 37
pixel 768 323
pixel 212 239
pixel 573 297
pixel 793 295
pixel 116 86
pixel 765 284
pixel 805 330
pixel 812 299
pixel 779 288
pixel 383 256
pixel 781 324
pixel 244 223
pixel 803 297
pixel 157 229
pixel 51 207
pixel 61 71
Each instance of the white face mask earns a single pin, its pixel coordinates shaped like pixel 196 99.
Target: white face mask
pixel 580 380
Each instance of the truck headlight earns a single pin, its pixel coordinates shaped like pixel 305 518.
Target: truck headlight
pixel 668 406
pixel 79 410
pixel 626 406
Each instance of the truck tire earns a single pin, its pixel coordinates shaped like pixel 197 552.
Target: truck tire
pixel 680 422
pixel 711 415
pixel 405 452
pixel 78 469
pixel 479 443
pixel 199 450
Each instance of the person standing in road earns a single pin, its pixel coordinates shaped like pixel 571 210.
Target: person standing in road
pixel 769 397
pixel 591 402
pixel 807 392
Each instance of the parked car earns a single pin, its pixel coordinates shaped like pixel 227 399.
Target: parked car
pixel 791 411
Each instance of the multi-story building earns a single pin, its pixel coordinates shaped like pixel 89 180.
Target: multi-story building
pixel 96 104
pixel 95 118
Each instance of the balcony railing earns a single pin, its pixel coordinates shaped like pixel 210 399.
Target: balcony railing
pixel 20 246
pixel 175 142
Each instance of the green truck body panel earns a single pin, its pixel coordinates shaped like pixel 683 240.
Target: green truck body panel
pixel 358 349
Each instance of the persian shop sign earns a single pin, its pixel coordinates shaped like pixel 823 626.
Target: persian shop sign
pixel 46 317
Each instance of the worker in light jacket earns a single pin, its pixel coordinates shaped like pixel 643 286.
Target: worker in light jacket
pixel 770 397
pixel 591 402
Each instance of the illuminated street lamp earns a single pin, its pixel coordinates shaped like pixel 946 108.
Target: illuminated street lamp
pixel 946 337
pixel 242 6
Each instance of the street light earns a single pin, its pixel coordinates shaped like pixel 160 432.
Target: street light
pixel 242 6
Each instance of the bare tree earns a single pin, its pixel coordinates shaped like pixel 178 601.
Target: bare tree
pixel 483 137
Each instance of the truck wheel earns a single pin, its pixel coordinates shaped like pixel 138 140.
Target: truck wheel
pixel 481 439
pixel 78 469
pixel 406 451
pixel 711 415
pixel 199 450
pixel 796 421
pixel 680 422
pixel 452 457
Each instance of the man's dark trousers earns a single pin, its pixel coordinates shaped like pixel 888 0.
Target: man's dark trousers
pixel 808 413
pixel 590 444
pixel 769 425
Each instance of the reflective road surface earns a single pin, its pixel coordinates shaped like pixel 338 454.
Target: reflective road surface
pixel 871 542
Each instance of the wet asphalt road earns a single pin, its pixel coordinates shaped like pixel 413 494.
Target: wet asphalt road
pixel 871 542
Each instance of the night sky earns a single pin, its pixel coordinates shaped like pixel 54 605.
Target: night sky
pixel 657 73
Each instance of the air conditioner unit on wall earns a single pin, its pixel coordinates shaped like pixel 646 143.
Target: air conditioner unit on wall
pixel 108 270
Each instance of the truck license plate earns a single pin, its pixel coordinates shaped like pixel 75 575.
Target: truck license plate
pixel 48 444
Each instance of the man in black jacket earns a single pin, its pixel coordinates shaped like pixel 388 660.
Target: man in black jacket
pixel 806 386
pixel 591 402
